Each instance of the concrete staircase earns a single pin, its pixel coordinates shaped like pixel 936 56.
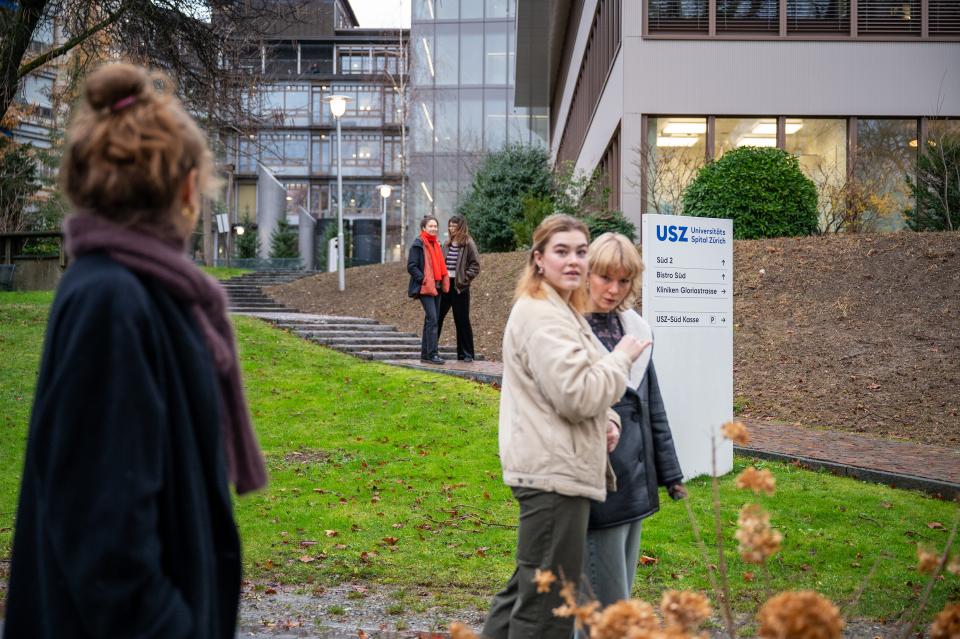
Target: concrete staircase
pixel 358 336
pixel 245 294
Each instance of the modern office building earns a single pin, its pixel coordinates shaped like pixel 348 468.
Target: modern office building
pixel 293 133
pixel 462 98
pixel 648 91
pixel 36 94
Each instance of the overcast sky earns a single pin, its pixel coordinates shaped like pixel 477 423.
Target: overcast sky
pixel 382 13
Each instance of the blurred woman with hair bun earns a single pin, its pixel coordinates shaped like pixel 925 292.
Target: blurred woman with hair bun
pixel 125 525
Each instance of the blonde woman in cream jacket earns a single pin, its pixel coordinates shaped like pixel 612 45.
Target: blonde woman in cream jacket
pixel 556 426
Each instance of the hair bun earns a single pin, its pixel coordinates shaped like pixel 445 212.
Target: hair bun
pixel 113 82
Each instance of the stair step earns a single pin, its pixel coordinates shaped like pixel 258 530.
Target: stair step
pixel 353 329
pixel 366 344
pixel 354 335
pixel 333 321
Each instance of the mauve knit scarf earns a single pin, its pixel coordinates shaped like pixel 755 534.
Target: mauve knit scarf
pixel 166 264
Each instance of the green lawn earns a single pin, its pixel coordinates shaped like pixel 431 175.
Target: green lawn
pixel 391 476
pixel 224 272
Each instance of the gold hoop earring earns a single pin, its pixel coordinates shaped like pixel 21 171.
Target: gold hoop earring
pixel 188 212
pixel 539 270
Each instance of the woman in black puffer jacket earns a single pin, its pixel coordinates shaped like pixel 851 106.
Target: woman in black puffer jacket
pixel 645 457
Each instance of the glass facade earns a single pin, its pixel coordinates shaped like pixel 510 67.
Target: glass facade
pixel 462 55
pixel 293 133
pixel 859 165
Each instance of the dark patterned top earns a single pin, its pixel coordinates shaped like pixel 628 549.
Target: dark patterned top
pixel 453 252
pixel 607 328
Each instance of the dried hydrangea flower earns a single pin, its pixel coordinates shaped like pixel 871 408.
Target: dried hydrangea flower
pixel 585 614
pixel 684 609
pixel 927 561
pixel 460 631
pixel 758 541
pixel 953 567
pixel 736 432
pixel 619 619
pixel 801 614
pixel 544 579
pixel 947 623
pixel 759 481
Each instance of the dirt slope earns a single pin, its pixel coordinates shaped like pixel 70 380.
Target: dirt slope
pixel 858 333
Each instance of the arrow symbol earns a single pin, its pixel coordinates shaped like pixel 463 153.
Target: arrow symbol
pixel 724 291
pixel 723 275
pixel 723 262
pixel 723 319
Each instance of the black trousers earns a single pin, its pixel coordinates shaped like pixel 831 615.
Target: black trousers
pixel 460 302
pixel 429 339
pixel 552 535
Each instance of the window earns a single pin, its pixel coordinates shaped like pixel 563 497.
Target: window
pixel 296 198
pixel 281 58
pixel 818 16
pixel 495 42
pixel 944 18
pixel 893 19
pixel 497 9
pixel 355 60
pixel 282 104
pixel 886 152
pixel 471 54
pixel 423 10
pixel 285 153
pixel 673 154
pixel 471 9
pixel 422 124
pixel 445 134
pixel 392 154
pixel 422 48
pixel 748 16
pixel 821 149
pixel 888 17
pixel 316 58
pixel 670 16
pixel 448 54
pixel 471 120
pixel 494 119
pixel 361 154
pixel 364 107
pixel 447 9
pixel 732 133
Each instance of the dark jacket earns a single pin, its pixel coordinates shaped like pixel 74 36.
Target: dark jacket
pixel 643 460
pixel 415 267
pixel 468 264
pixel 125 524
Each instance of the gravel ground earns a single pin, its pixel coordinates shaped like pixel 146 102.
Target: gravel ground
pixel 288 615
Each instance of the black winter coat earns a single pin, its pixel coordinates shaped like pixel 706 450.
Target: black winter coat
pixel 415 268
pixel 644 459
pixel 125 524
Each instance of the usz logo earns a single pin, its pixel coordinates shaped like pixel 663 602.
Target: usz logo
pixel 672 233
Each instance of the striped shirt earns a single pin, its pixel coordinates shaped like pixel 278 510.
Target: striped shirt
pixel 452 254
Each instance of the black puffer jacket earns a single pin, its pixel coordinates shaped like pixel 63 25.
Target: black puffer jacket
pixel 644 459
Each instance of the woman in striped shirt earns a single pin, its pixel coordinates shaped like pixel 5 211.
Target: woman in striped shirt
pixel 463 264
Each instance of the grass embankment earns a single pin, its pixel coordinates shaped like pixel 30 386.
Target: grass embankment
pixel 390 476
pixel 224 272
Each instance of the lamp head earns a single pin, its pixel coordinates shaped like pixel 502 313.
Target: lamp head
pixel 338 105
pixel 385 190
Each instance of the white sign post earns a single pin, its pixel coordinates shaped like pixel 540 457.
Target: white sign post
pixel 688 301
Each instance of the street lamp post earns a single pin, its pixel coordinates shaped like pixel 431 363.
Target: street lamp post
pixel 385 190
pixel 338 106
